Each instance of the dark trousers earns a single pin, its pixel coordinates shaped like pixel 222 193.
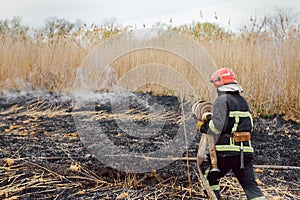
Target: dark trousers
pixel 245 176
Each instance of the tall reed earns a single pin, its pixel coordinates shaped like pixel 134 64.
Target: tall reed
pixel 267 67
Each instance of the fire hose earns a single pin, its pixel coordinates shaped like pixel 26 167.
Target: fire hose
pixel 202 110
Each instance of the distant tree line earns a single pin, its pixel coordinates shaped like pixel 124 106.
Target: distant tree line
pixel 281 23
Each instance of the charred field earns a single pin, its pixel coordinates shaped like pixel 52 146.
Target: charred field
pixel 42 155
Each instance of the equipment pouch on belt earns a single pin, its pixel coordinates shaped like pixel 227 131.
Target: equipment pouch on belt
pixel 241 136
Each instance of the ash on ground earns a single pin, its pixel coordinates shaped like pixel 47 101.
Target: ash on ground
pixel 43 157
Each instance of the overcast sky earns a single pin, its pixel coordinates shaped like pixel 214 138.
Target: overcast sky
pixel 139 12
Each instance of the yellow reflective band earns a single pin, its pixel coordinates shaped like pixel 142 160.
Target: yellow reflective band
pixel 240 114
pixel 231 141
pixel 259 198
pixel 213 128
pixel 215 187
pixel 237 115
pixel 234 148
pixel 206 172
pixel 235 125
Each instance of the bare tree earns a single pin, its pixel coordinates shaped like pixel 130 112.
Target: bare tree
pixel 13 28
pixel 56 27
pixel 282 21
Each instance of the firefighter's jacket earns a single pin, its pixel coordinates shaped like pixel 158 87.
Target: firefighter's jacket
pixel 231 113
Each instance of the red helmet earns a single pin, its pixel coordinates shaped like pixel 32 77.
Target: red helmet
pixel 223 76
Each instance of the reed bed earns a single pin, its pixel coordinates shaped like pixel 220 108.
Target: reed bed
pixel 267 66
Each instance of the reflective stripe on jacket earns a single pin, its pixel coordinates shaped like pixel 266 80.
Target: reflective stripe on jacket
pixel 231 113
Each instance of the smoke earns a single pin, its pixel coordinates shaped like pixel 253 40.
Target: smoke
pixel 152 56
pixel 106 90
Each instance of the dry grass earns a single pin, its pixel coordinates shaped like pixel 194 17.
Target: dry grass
pixel 27 178
pixel 267 67
pixel 33 65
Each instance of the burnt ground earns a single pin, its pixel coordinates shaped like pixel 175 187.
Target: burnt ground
pixel 42 156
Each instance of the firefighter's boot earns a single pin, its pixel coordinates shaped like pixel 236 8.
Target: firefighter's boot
pixel 217 193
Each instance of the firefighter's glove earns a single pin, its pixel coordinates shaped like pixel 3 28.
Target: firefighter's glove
pixel 199 125
pixel 204 127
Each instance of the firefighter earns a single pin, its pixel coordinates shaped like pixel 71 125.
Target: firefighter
pixel 231 125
